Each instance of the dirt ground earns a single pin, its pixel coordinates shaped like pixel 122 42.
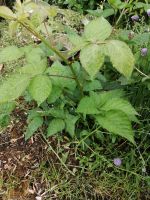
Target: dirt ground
pixel 18 159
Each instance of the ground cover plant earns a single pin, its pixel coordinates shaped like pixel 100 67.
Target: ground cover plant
pixel 75 87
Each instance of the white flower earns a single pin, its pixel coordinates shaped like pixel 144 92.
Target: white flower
pixel 38 198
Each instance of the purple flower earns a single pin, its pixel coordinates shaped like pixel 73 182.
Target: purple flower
pixel 135 18
pixel 148 12
pixel 117 162
pixel 144 51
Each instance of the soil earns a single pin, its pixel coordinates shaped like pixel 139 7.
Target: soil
pixel 18 159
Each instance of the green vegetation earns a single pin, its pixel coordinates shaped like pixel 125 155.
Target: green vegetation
pixel 82 80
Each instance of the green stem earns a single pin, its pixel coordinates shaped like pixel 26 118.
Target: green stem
pixel 51 148
pixel 55 50
pixel 142 73
pixel 121 15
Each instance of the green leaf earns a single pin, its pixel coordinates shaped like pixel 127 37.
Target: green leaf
pixel 108 12
pixel 92 85
pixel 34 68
pixel 35 55
pixel 55 126
pixel 6 13
pixel 118 123
pixel 88 105
pixel 96 13
pixel 13 26
pixel 41 28
pixel 4 120
pixel 10 53
pixel 33 127
pixel 40 88
pixel 115 3
pixel 142 39
pixel 122 105
pixel 27 48
pixel 92 59
pixel 61 76
pixel 102 97
pixel 120 56
pixel 7 108
pixel 47 51
pixel 34 113
pixel 93 103
pixel 55 94
pixel 77 40
pixel 70 124
pixel 98 30
pixel 56 112
pixel 13 87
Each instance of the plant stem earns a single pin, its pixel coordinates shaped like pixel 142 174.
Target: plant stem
pixel 121 15
pixel 55 50
pixel 48 35
pixel 142 73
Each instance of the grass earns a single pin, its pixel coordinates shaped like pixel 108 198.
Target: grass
pixel 95 176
